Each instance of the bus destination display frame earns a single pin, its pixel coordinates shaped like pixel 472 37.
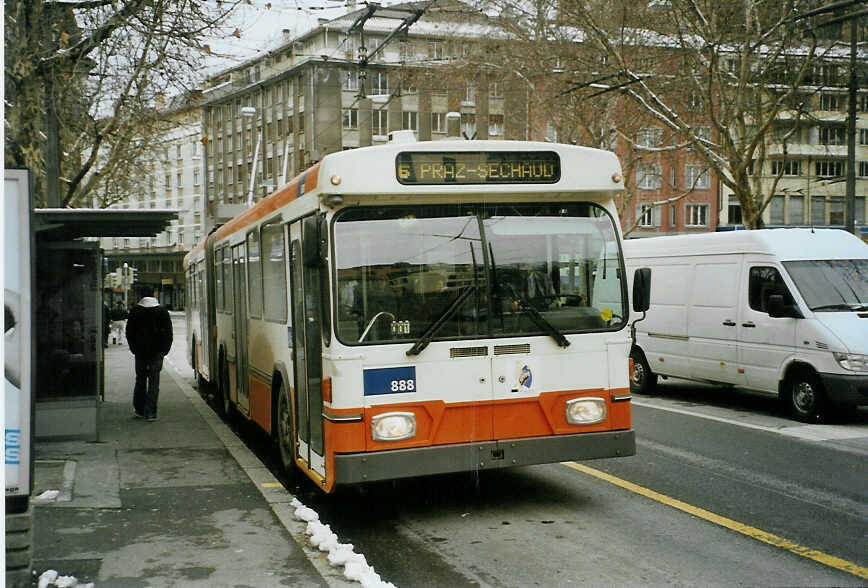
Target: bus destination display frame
pixel 432 168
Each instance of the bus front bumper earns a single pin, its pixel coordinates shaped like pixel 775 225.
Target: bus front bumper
pixel 353 468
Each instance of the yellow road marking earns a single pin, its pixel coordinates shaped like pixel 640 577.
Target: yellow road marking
pixel 271 485
pixel 753 532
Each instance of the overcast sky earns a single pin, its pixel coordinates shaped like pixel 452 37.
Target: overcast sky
pixel 261 23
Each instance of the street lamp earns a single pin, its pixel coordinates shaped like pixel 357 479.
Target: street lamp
pixel 250 112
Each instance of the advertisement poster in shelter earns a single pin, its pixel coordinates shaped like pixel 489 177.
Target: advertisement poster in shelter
pixel 17 332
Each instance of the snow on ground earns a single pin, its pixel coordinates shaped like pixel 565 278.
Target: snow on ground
pixel 355 566
pixel 51 578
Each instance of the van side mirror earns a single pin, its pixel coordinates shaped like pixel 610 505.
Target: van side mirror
pixel 311 241
pixel 777 309
pixel 642 289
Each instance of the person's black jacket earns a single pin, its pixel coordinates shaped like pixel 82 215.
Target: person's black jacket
pixel 149 329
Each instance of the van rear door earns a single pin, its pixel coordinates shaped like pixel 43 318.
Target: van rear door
pixel 764 342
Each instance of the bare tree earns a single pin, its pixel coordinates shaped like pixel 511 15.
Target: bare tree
pixel 740 67
pixel 85 81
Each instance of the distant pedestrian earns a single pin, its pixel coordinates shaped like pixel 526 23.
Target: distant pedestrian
pixel 149 334
pixel 119 316
pixel 106 323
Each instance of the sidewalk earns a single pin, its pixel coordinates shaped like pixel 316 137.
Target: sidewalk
pixel 176 502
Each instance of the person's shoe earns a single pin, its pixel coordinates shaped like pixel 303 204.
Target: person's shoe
pixel 138 415
pixel 151 418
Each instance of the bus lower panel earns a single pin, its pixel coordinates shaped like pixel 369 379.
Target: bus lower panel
pixel 352 468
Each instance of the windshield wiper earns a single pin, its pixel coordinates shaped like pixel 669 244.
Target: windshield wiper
pixel 851 306
pixel 426 337
pixel 538 318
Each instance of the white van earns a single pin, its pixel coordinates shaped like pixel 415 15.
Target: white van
pixel 778 311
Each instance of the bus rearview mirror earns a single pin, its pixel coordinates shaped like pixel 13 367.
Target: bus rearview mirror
pixel 642 289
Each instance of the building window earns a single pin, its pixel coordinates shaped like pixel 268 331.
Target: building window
pixel 178 151
pixel 168 184
pixel 863 169
pixel 696 215
pixel 649 137
pixel 648 176
pixel 495 125
pixel 380 122
pixel 818 210
pixel 776 210
pixel 829 169
pixel 468 125
pixel 648 215
pixel 438 122
pixel 180 183
pixel 351 118
pixel 350 80
pixel 830 101
pixel 410 120
pixel 788 167
pixel 832 136
pixel 862 103
pixel 495 90
pixel 195 149
pixel 863 136
pixel 379 82
pixel 435 50
pixel 836 210
pixel 796 212
pixel 673 216
pixel 470 93
pixel 733 212
pixel 696 177
pixel 694 101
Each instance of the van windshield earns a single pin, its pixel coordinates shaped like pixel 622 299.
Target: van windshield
pixel 831 284
pixel 427 272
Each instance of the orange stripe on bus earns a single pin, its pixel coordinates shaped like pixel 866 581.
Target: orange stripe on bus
pixel 439 423
pixel 271 203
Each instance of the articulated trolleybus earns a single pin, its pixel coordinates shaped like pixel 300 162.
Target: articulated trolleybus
pixel 417 308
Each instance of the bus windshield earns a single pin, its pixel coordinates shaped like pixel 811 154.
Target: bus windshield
pixel 472 271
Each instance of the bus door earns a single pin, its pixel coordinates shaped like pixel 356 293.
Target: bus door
pixel 239 312
pixel 307 349
pixel 203 359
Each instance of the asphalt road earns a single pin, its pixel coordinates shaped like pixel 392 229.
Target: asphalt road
pixel 724 490
pixel 804 487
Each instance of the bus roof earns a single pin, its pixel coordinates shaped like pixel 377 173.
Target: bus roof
pixel 593 173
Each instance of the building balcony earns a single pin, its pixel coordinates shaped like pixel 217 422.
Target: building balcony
pixel 807 150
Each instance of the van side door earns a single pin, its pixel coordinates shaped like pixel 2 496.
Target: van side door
pixel 713 313
pixel 765 343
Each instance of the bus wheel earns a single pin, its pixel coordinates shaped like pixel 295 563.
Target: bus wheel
pixel 804 396
pixel 642 379
pixel 284 429
pixel 224 403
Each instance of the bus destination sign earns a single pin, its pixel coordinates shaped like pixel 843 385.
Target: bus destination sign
pixel 477 167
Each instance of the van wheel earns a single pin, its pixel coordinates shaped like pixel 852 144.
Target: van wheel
pixel 804 396
pixel 285 441
pixel 642 379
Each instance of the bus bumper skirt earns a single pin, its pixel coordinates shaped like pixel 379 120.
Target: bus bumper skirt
pixel 353 468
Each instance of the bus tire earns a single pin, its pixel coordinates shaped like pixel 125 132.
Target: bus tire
pixel 283 429
pixel 224 402
pixel 642 379
pixel 804 396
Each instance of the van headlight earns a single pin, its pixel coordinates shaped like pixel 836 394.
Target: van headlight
pixel 393 426
pixel 586 411
pixel 855 362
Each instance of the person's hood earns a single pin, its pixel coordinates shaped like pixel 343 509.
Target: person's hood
pixel 149 302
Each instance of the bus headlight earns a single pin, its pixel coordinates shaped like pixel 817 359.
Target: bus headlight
pixel 393 426
pixel 854 362
pixel 586 411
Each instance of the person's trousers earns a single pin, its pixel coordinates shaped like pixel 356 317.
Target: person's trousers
pixel 147 388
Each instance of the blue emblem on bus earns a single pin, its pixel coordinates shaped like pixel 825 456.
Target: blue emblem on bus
pixel 397 380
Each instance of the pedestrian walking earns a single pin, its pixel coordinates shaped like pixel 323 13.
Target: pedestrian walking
pixel 119 316
pixel 149 335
